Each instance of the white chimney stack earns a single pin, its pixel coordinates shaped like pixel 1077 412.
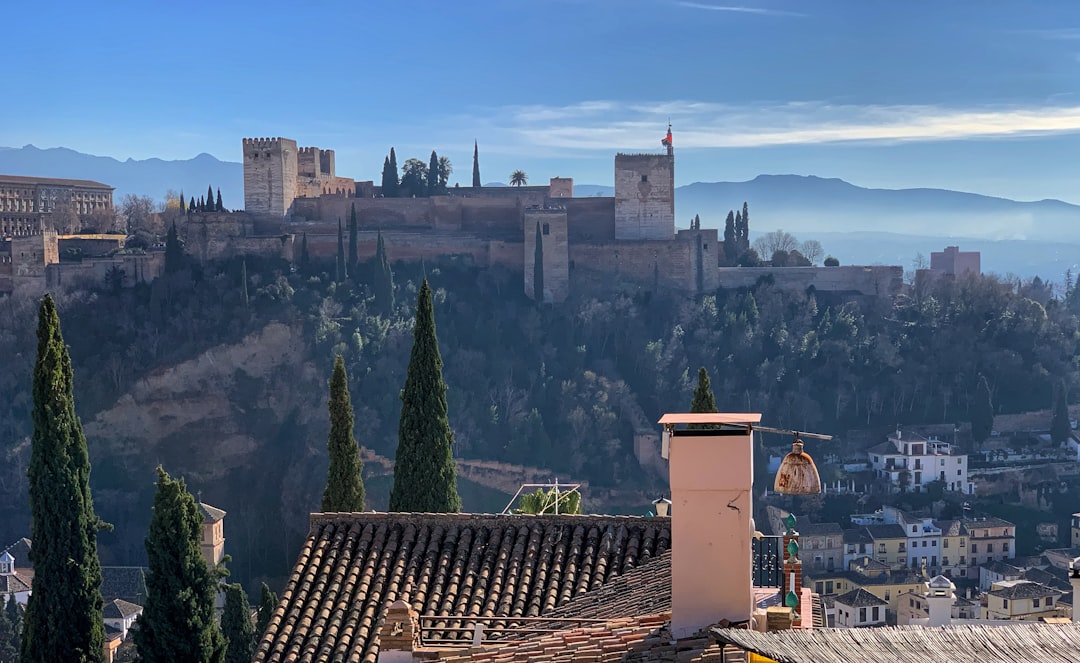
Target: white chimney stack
pixel 711 473
pixel 939 599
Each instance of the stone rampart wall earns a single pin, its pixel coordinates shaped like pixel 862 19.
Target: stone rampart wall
pixel 590 219
pixel 91 245
pixel 137 268
pixel 875 280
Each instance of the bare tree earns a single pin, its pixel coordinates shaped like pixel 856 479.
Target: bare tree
pixel 777 240
pixel 138 213
pixel 65 218
pixel 812 250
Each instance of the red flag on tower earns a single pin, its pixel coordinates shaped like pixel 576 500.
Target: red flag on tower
pixel 666 141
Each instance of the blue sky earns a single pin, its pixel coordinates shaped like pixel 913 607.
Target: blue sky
pixel 975 95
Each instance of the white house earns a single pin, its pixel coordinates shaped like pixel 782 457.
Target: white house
pixel 12 581
pixel 121 615
pixel 859 608
pixel 911 462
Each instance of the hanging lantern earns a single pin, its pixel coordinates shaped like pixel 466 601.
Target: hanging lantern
pixel 797 474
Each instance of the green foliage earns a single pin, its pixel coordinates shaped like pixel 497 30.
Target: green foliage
pixel 383 279
pixel 354 258
pixel 344 486
pixel 425 479
pixel 476 165
pixel 244 284
pixel 1059 422
pixel 544 502
pixel 390 183
pixel 305 257
pixel 518 178
pixel 704 400
pixel 268 601
pixel 433 174
pixel 414 179
pixel 982 412
pixel 731 246
pixel 192 206
pixel 538 266
pixel 13 612
pixel 174 251
pixel 177 622
pixel 831 262
pixel 210 198
pixel 341 268
pixel 220 207
pixel 8 652
pixel 236 626
pixel 63 617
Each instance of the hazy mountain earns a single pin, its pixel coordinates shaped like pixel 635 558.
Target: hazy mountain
pixel 151 177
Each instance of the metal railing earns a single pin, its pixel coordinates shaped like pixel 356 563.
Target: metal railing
pixel 768 561
pixel 475 631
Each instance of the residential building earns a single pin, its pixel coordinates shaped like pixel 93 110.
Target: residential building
pixel 890 544
pixel 923 543
pixel 888 584
pixel 907 461
pixel 121 615
pixel 859 608
pixel 822 546
pixel 1074 539
pixel 1021 599
pixel 857 544
pixel 954 550
pixel 989 539
pixel 14 582
pixel 996 571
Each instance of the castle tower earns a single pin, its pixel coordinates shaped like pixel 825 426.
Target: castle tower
pixel 212 539
pixel 645 194
pixel 270 169
pixel 547 227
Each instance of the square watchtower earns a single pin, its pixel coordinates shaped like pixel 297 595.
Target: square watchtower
pixel 270 169
pixel 644 196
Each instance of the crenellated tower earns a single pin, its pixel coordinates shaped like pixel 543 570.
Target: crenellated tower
pixel 270 170
pixel 645 194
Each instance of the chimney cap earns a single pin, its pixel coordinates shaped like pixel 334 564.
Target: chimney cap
pixel 743 418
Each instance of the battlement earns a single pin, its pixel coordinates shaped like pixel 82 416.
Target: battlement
pixel 640 155
pixel 275 143
pixel 546 209
pixel 309 150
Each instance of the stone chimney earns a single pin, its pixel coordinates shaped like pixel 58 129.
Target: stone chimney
pixel 1074 580
pixel 711 479
pixel 940 597
pixel 399 636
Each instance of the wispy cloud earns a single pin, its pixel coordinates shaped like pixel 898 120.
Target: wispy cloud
pixel 738 9
pixel 608 125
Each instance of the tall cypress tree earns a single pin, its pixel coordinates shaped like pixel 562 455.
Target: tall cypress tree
pixel 7 638
pixel 1059 422
pixel 244 283
pixel 192 207
pixel 63 616
pixel 177 622
pixel 390 176
pixel 433 174
pixel 475 165
pixel 305 258
pixel 268 601
pixel 731 249
pixel 236 626
pixel 174 252
pixel 209 198
pixel 384 279
pixel 425 479
pixel 14 613
pixel 219 206
pixel 183 203
pixel 745 228
pixel 344 486
pixel 354 257
pixel 538 266
pixel 982 412
pixel 341 269
pixel 703 401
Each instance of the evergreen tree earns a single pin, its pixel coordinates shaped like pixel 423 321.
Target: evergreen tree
pixel 538 266
pixel 476 165
pixel 982 412
pixel 390 187
pixel 219 206
pixel 202 204
pixel 745 227
pixel 236 626
pixel 209 198
pixel 7 638
pixel 174 251
pixel 433 174
pixel 425 479
pixel 1059 423
pixel 731 249
pixel 244 283
pixel 14 613
pixel 384 279
pixel 354 257
pixel 192 206
pixel 740 238
pixel 183 203
pixel 305 258
pixel 341 269
pixel 177 622
pixel 703 401
pixel 63 619
pixel 268 601
pixel 344 486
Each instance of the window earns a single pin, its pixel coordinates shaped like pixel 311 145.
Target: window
pixel 862 614
pixel 828 587
pixel 875 613
pixel 1005 546
pixel 881 547
pixel 914 529
pixel 989 547
pixel 958 473
pixel 944 543
pixel 547 228
pixel 644 178
pixel 962 542
pixel 903 548
pixel 924 543
pixel 933 544
pixel 944 561
pixel 974 548
pixel 1035 603
pixel 943 462
pixel 887 592
pixel 1049 601
pixel 1004 603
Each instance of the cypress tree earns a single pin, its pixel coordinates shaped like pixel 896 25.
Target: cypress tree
pixel 177 622
pixel 219 206
pixel 268 601
pixel 236 626
pixel 14 613
pixel 344 486
pixel 476 165
pixel 63 619
pixel 390 176
pixel 191 206
pixel 731 250
pixel 703 401
pixel 341 270
pixel 982 412
pixel 538 266
pixel 243 283
pixel 7 637
pixel 174 252
pixel 740 235
pixel 745 227
pixel 384 279
pixel 209 198
pixel 183 203
pixel 354 257
pixel 305 258
pixel 425 479
pixel 433 175
pixel 1059 423
pixel 202 204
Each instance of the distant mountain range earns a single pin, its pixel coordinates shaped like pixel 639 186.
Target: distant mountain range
pixel 859 225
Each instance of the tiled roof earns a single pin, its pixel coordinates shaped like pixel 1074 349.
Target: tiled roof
pixel 20 581
pixel 211 514
pixel 1051 577
pixel 1024 590
pixel 118 609
pixel 985 522
pixel 353 566
pixel 122 582
pixel 20 550
pixel 820 529
pixel 857 535
pixel 859 598
pixel 50 181
pixel 914 644
pixel 950 527
pixel 644 590
pixel 1001 568
pixel 886 531
pixel 883 448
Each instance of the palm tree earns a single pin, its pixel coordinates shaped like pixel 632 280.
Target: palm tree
pixel 445 170
pixel 518 178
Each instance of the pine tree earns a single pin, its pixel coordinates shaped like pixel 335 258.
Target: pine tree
pixel 344 491
pixel 219 206
pixel 703 401
pixel 433 175
pixel 1059 423
pixel 305 258
pixel 14 613
pixel 7 637
pixel 63 619
pixel 731 249
pixel 982 412
pixel 476 165
pixel 177 622
pixel 538 266
pixel 425 479
pixel 244 283
pixel 341 269
pixel 174 252
pixel 268 601
pixel 236 626
pixel 384 279
pixel 354 257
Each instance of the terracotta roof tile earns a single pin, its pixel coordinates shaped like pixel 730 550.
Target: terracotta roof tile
pixel 353 566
